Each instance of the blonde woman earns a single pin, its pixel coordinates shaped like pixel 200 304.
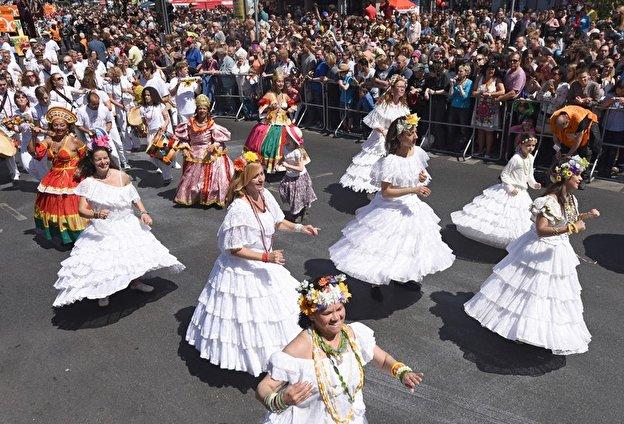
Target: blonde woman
pixel 248 308
pixel 390 106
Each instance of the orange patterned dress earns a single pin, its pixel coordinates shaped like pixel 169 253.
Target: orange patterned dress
pixel 56 206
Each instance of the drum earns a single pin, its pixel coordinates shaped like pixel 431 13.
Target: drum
pixel 7 146
pixel 134 117
pixel 163 147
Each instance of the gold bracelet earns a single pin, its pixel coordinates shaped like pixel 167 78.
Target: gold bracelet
pixel 396 367
pixel 575 229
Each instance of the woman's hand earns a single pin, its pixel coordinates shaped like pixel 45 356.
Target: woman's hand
pixel 580 225
pixel 101 214
pixel 412 379
pixel 594 213
pixel 277 257
pixel 296 393
pixel 537 186
pixel 513 192
pixel 146 219
pixel 422 177
pixel 310 230
pixel 421 191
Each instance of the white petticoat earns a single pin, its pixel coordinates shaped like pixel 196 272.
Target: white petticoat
pixel 495 217
pixel 111 252
pixel 397 239
pixel 247 311
pixel 534 296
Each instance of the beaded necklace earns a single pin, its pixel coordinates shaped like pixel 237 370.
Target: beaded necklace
pixel 570 209
pixel 323 381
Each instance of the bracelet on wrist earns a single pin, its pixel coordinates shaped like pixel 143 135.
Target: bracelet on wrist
pixel 401 372
pixel 298 228
pixel 395 368
pixel 265 257
pixel 96 214
pixel 144 213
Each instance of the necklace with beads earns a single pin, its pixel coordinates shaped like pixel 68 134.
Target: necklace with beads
pixel 323 381
pixel 570 209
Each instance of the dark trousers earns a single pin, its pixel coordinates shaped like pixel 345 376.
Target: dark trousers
pixel 459 135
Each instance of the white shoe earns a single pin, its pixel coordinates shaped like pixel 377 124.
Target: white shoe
pixel 176 165
pixel 158 171
pixel 103 302
pixel 126 166
pixel 16 177
pixel 141 287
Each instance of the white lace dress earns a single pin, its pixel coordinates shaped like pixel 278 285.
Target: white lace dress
pixel 358 175
pixel 248 309
pixel 393 239
pixel 283 367
pixel 110 252
pixel 496 217
pixel 534 295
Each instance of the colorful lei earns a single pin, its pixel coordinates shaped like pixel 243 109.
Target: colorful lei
pixel 333 290
pixel 574 166
pixel 243 160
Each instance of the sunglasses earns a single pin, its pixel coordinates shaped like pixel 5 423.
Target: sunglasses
pixel 514 60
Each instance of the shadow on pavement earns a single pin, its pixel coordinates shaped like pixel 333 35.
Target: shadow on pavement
pixel 345 200
pixel 143 172
pixel 606 249
pixel 202 368
pixel 23 186
pixel 44 243
pixel 88 314
pixel 490 352
pixel 368 303
pixel 470 250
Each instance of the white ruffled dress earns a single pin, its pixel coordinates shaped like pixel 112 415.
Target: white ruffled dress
pixel 534 295
pixel 283 367
pixel 358 175
pixel 396 239
pixel 110 252
pixel 248 309
pixel 497 217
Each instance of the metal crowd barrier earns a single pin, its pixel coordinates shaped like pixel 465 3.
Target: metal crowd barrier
pixel 340 116
pixel 313 104
pixel 230 100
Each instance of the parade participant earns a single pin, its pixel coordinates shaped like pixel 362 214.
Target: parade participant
pixel 121 94
pixel 156 120
pixel 56 206
pixel 183 90
pixel 248 308
pixel 62 94
pixel 207 170
pixel 502 213
pixel 116 248
pixel 36 168
pixel 95 115
pixel 318 377
pixel 296 187
pixel 392 105
pixel 534 296
pixel 396 237
pixel 268 138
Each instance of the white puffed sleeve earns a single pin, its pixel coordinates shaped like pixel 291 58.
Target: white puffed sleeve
pixel 283 367
pixel 238 229
pixel 549 207
pixel 365 337
pixel 84 188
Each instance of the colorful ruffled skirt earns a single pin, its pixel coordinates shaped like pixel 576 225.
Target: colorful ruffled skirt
pixel 268 141
pixel 205 183
pixel 56 206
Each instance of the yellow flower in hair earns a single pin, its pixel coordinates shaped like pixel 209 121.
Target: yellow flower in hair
pixel 412 119
pixel 345 291
pixel 250 157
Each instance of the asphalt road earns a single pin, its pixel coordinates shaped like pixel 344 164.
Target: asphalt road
pixel 129 363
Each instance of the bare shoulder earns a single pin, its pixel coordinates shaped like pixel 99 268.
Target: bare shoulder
pixel 300 347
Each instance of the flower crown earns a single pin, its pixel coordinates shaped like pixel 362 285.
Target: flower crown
pixel 574 166
pixel 243 160
pixel 407 122
pixel 333 290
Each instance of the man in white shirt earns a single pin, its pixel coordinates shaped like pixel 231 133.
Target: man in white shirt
pixel 47 70
pixel 51 48
pixel 79 63
pixel 120 92
pixel 95 115
pixel 70 72
pixel 184 89
pixel 8 109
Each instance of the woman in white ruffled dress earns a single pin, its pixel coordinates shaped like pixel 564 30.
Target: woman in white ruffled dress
pixel 392 105
pixel 318 378
pixel 501 214
pixel 116 248
pixel 248 308
pixel 534 296
pixel 396 237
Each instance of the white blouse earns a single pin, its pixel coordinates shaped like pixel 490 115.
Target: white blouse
pixel 402 171
pixel 383 115
pixel 518 173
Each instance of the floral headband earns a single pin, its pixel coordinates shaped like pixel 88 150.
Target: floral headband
pixel 245 159
pixel 333 290
pixel 574 166
pixel 407 122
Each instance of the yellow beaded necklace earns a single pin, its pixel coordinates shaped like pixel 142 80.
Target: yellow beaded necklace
pixel 324 384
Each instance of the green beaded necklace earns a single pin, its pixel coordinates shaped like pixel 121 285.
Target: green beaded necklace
pixel 333 355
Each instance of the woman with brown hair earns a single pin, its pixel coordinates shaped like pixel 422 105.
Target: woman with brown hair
pixel 391 105
pixel 248 308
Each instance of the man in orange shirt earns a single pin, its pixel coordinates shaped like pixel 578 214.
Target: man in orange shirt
pixel 370 11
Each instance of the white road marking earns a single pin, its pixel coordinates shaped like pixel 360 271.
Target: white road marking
pixel 327 174
pixel 13 212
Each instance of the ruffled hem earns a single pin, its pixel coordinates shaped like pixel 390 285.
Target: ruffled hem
pixel 391 240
